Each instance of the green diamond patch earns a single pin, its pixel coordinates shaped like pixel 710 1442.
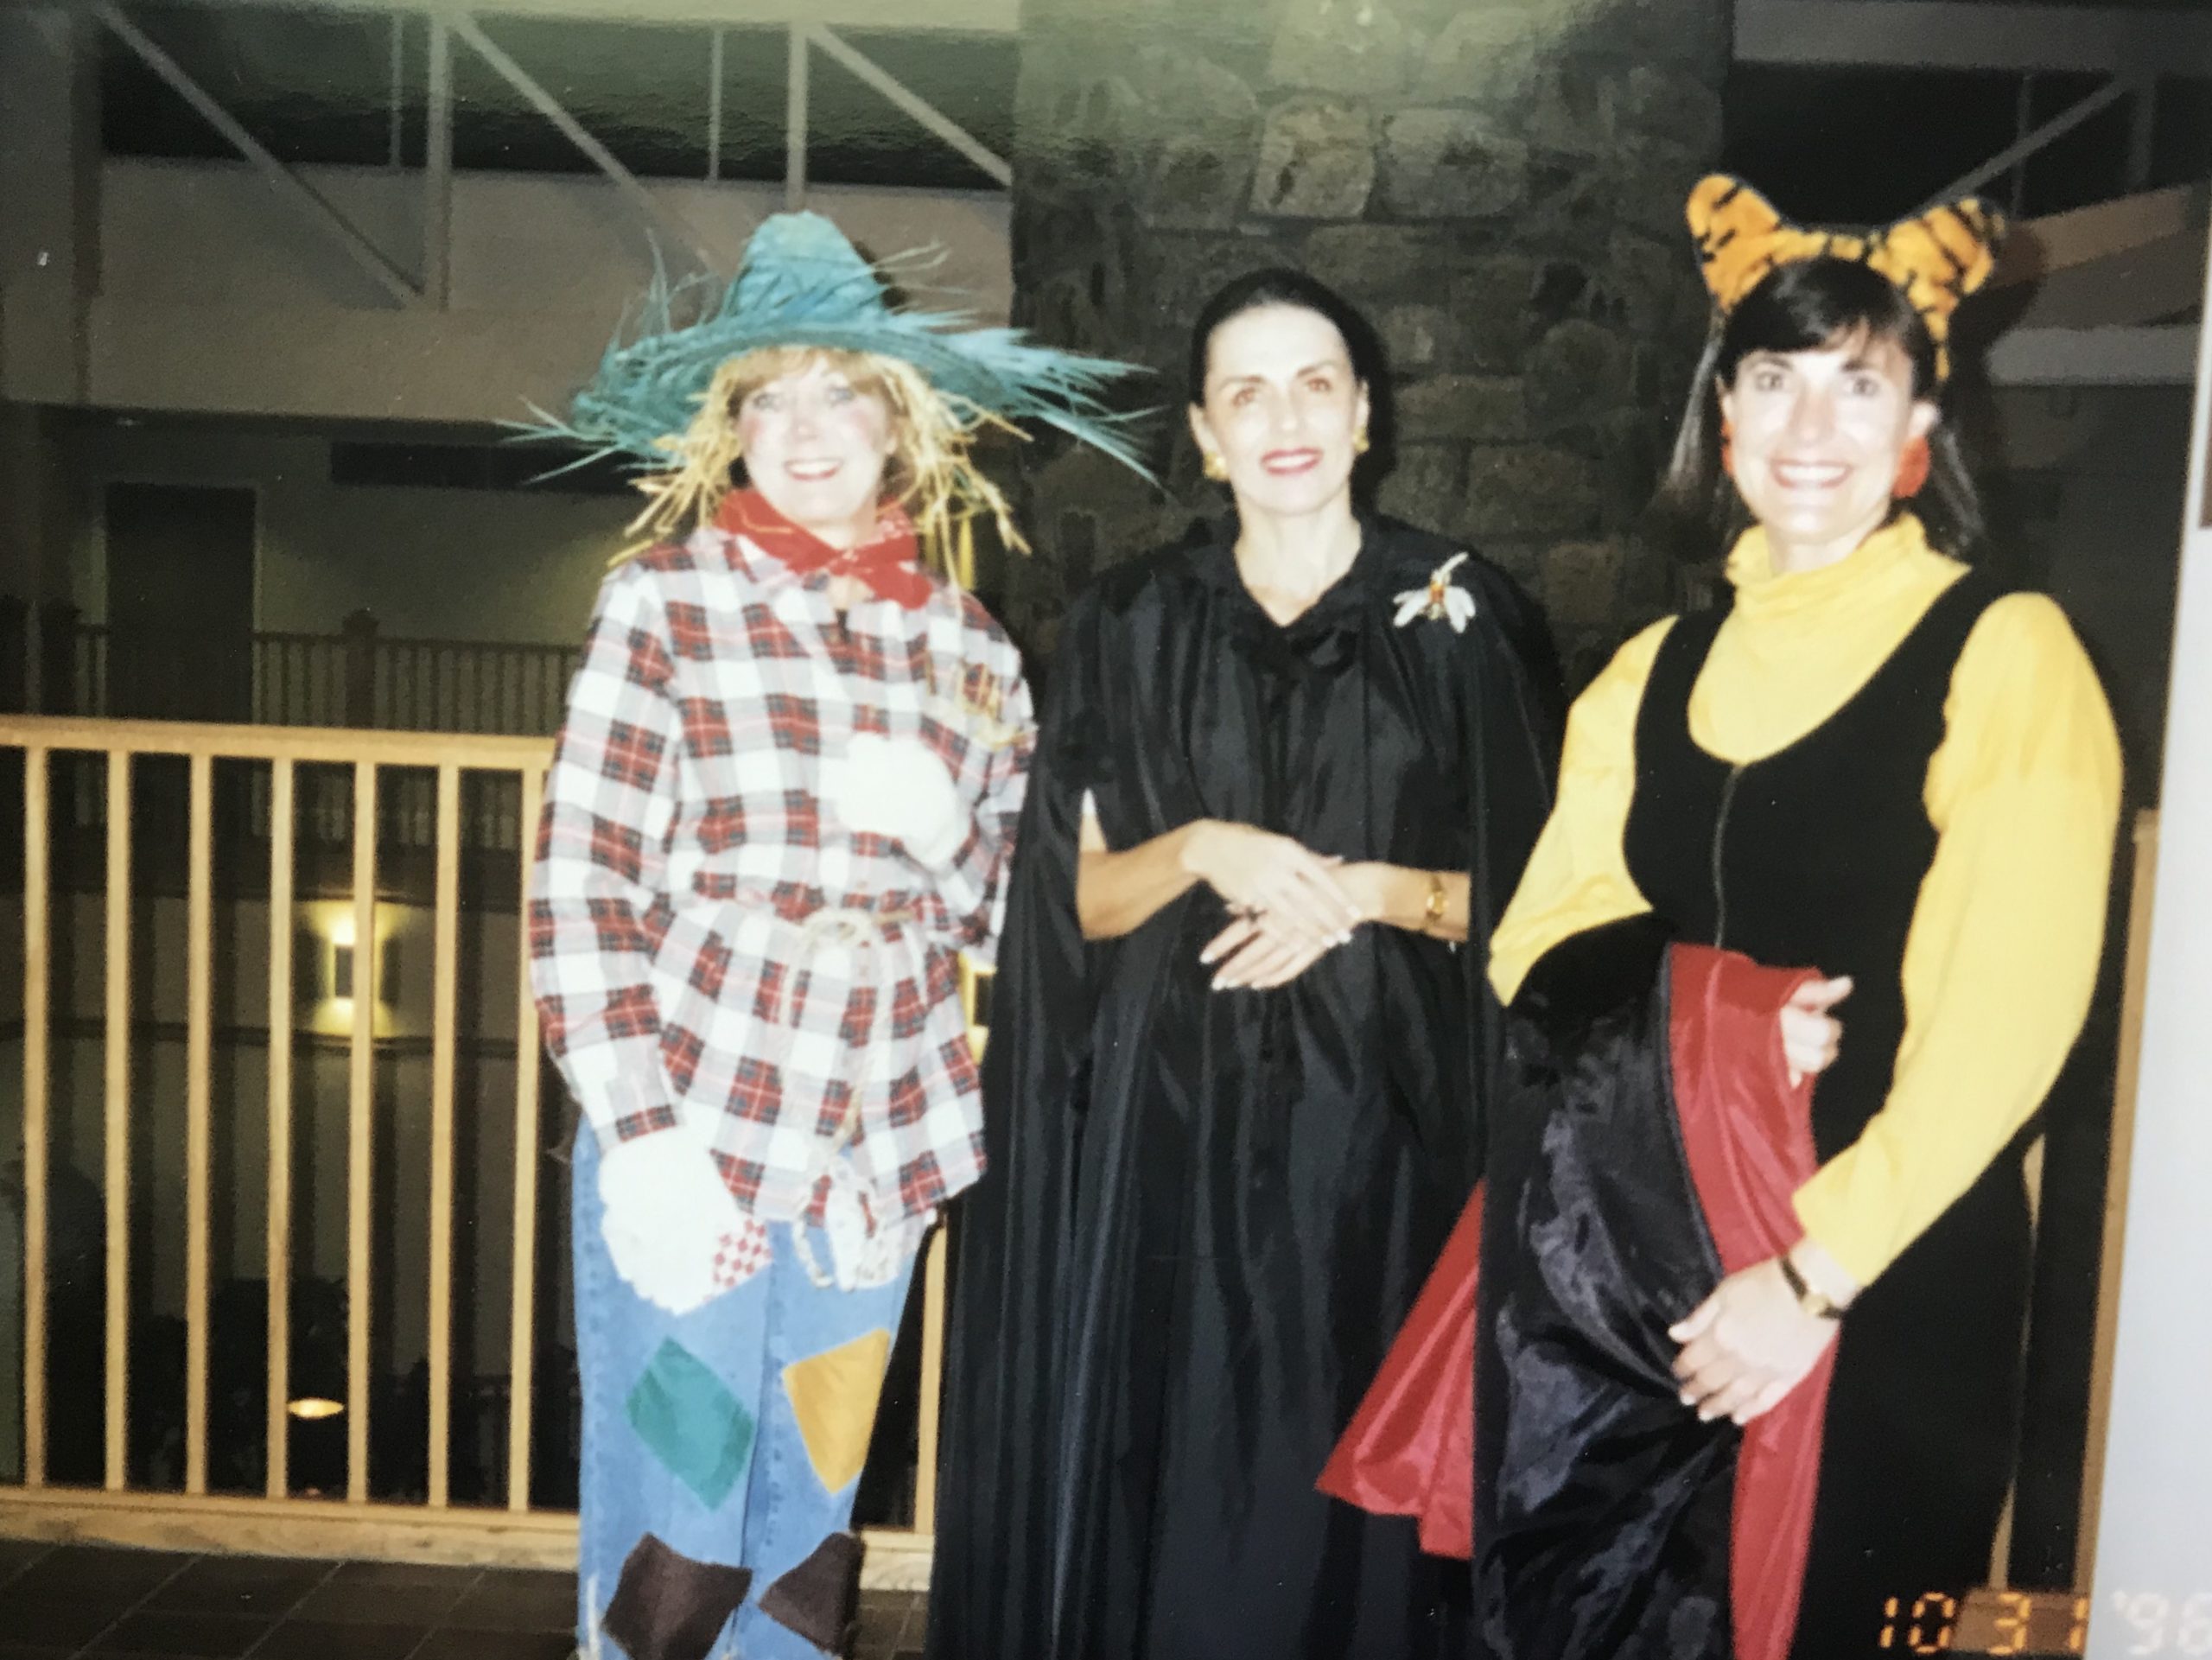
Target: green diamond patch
pixel 692 1423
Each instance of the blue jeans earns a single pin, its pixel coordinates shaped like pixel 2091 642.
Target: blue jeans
pixel 722 1449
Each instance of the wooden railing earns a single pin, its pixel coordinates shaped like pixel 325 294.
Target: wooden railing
pixel 357 1520
pixel 358 677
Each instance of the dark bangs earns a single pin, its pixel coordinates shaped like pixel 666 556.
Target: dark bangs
pixel 1823 303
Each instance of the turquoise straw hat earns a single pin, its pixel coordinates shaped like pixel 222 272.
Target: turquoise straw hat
pixel 802 283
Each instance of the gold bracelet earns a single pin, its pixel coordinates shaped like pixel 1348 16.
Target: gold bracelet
pixel 1433 911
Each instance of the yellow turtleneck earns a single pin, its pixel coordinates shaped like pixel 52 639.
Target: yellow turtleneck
pixel 2023 793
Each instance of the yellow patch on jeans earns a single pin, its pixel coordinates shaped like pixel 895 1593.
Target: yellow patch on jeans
pixel 833 1397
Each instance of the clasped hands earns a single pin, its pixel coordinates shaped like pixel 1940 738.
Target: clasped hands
pixel 1750 1343
pixel 1746 1346
pixel 1289 907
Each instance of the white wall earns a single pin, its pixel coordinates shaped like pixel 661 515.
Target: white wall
pixel 2152 1587
pixel 466 563
pixel 431 563
pixel 215 296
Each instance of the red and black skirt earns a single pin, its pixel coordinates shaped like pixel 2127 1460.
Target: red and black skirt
pixel 1650 1146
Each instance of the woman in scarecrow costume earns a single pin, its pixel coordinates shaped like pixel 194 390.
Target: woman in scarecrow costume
pixel 1812 928
pixel 782 804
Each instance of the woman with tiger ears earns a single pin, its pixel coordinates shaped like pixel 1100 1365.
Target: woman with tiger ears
pixel 1812 925
pixel 1871 764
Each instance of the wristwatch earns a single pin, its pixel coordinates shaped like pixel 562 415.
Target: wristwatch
pixel 1817 1303
pixel 1434 908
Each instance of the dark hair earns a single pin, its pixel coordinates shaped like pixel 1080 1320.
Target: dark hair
pixel 1280 286
pixel 1803 306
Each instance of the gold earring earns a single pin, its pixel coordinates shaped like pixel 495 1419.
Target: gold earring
pixel 1215 468
pixel 1359 442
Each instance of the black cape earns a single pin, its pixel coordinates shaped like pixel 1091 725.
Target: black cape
pixel 1602 1507
pixel 1207 1213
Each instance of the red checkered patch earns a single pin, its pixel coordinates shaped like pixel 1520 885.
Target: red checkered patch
pixel 741 1255
pixel 908 1099
pixel 801 820
pixel 630 1126
pixel 631 756
pixel 689 631
pixel 768 636
pixel 921 1185
pixel 629 1012
pixel 909 1013
pixel 942 969
pixel 795 723
pixel 648 665
pixel 860 1015
pixel 722 826
pixel 680 1051
pixel 959 1060
pixel 706 727
pixel 768 993
pixel 707 974
pixel 981 691
pixel 829 1118
pixel 618 847
pixel 615 926
pixel 659 917
pixel 759 1094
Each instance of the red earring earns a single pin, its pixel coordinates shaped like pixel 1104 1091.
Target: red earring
pixel 1727 447
pixel 1912 470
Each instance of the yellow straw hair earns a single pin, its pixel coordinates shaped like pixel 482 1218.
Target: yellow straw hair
pixel 932 466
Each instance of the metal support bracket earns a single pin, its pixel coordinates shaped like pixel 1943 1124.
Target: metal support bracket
pixel 283 180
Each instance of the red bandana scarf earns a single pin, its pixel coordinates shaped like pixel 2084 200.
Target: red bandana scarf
pixel 888 562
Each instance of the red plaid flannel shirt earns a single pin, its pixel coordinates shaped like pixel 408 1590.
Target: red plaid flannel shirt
pixel 685 845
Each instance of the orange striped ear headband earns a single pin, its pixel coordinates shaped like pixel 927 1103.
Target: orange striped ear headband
pixel 1935 260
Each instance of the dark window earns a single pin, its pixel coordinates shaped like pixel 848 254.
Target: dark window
pixel 475 466
pixel 1864 146
pixel 312 88
pixel 321 88
pixel 640 91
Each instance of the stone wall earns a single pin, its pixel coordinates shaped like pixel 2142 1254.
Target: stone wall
pixel 1497 184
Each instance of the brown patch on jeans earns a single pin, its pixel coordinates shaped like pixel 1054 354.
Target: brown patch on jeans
pixel 820 1598
pixel 667 1607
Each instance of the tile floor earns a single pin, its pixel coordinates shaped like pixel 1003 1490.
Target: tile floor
pixel 72 1602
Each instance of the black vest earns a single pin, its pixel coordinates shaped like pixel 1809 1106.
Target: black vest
pixel 1813 856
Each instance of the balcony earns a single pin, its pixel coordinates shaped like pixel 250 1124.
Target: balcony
pixel 292 1195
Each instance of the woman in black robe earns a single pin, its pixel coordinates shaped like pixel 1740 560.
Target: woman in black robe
pixel 1240 1047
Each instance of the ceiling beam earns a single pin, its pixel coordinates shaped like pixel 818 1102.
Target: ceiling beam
pixel 920 108
pixel 2159 355
pixel 2037 248
pixel 1974 34
pixel 2151 283
pixel 2029 142
pixel 656 221
pixel 287 184
pixel 950 16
